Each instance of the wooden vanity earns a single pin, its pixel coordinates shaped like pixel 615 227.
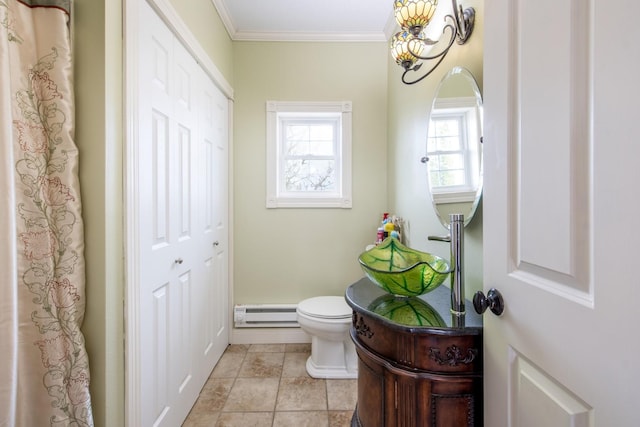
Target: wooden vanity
pixel 413 376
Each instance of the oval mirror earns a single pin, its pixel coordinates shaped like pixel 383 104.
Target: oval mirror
pixel 454 146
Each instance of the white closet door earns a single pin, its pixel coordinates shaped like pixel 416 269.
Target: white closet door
pixel 182 185
pixel 212 311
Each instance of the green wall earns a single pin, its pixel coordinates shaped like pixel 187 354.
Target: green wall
pixel 98 77
pixel 202 19
pixel 285 255
pixel 98 52
pixel 281 255
pixel 409 107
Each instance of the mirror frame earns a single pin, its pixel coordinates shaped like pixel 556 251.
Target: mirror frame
pixel 473 85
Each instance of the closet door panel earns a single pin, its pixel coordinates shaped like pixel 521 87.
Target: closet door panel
pixel 179 167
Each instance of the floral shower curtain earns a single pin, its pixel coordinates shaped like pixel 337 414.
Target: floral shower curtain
pixel 44 370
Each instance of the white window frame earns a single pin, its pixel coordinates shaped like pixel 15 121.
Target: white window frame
pixel 278 111
pixel 461 109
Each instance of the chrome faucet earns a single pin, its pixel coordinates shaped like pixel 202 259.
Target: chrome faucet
pixel 456 240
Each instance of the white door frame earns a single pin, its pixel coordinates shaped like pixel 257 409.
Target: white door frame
pixel 132 320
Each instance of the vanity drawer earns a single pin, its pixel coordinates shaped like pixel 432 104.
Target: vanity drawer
pixel 439 350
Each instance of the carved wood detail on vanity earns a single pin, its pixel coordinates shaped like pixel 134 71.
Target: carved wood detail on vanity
pixel 361 327
pixel 411 376
pixel 453 356
pixel 405 350
pixel 463 405
pixel 406 403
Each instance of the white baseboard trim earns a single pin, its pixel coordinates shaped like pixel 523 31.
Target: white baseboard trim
pixel 269 336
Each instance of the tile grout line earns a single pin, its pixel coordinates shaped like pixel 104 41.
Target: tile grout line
pixel 275 404
pixel 233 383
pixel 285 413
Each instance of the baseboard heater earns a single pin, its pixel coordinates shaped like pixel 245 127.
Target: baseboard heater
pixel 265 316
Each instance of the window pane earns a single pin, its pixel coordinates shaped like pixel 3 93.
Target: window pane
pixel 444 134
pixel 446 170
pixel 446 150
pixel 452 178
pixel 296 148
pixel 434 178
pixel 447 127
pixel 310 175
pixel 321 132
pixel 310 139
pixel 451 161
pixel 446 178
pixel 449 144
pixel 321 148
pixel 297 133
pixel 296 140
pixel 443 127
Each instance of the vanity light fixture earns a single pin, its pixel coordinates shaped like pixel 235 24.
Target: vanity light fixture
pixel 408 45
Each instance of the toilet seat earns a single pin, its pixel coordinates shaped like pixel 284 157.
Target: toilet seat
pixel 326 307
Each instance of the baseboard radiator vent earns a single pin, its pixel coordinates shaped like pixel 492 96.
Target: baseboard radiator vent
pixel 265 316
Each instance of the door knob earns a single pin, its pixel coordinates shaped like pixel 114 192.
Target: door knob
pixel 179 261
pixel 216 243
pixel 493 301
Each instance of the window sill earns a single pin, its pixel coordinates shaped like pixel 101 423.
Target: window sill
pixel 300 202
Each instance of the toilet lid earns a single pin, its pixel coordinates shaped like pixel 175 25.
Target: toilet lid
pixel 332 307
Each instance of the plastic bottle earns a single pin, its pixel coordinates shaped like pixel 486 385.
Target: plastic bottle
pixel 388 228
pixel 385 220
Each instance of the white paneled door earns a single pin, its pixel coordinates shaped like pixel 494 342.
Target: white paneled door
pixel 212 306
pixel 180 176
pixel 560 207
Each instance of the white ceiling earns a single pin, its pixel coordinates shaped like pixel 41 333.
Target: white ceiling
pixel 307 20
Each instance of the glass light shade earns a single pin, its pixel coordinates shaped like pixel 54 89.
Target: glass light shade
pixel 414 15
pixel 400 45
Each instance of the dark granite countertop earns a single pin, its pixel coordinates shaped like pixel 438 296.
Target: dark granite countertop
pixel 365 297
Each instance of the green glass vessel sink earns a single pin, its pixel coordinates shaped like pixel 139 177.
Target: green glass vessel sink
pixel 400 270
pixel 410 311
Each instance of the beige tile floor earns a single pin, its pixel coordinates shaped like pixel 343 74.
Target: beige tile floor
pixel 267 385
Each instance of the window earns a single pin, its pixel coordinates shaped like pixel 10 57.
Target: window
pixel 447 152
pixel 453 161
pixel 308 154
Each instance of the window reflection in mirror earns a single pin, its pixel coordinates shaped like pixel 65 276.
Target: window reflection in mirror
pixel 454 146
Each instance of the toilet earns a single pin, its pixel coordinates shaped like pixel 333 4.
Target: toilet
pixel 327 320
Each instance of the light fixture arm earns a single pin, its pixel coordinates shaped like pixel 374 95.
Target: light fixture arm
pixel 439 56
pixel 464 20
pixel 430 42
pixel 460 24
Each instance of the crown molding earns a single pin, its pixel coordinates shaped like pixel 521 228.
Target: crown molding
pixel 235 35
pixel 309 37
pixel 225 17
